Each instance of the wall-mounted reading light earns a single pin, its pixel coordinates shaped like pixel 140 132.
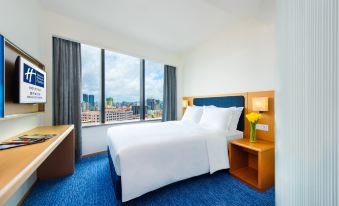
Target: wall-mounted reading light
pixel 184 103
pixel 260 104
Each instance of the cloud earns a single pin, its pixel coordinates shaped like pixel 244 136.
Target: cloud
pixel 154 80
pixel 122 76
pixel 91 71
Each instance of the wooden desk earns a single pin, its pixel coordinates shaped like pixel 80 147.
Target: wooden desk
pixel 53 158
pixel 253 163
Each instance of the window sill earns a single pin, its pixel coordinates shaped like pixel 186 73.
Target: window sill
pixel 120 123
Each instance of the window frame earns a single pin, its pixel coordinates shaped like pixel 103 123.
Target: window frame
pixel 103 97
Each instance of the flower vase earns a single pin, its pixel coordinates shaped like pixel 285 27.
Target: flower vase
pixel 253 132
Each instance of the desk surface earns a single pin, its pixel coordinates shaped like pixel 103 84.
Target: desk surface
pixel 17 164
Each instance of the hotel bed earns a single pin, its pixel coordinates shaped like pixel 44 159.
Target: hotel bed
pixel 146 156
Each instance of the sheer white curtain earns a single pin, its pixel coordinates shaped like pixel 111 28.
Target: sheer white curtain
pixel 307 103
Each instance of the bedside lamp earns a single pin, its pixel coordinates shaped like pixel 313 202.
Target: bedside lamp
pixel 184 104
pixel 260 104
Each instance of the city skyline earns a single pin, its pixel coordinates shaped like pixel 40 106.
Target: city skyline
pixel 118 111
pixel 111 99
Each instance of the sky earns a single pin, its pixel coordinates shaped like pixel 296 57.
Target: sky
pixel 122 75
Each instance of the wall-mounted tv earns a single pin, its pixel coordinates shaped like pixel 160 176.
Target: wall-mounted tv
pixel 31 82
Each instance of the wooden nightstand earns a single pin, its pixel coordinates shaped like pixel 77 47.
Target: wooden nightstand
pixel 253 163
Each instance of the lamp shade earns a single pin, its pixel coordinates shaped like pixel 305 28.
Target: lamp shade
pixel 184 103
pixel 260 104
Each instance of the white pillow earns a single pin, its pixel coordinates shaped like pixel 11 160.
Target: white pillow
pixel 235 118
pixel 211 106
pixel 192 114
pixel 216 117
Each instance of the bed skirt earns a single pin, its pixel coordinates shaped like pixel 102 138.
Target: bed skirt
pixel 116 179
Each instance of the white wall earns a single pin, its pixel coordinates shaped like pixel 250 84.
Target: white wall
pixel 307 92
pixel 23 29
pixel 11 127
pixel 19 23
pixel 239 59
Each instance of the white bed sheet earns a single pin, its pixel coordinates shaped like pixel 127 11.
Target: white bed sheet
pixel 148 156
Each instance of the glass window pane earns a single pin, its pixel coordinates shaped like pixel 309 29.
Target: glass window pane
pixel 91 89
pixel 154 83
pixel 122 87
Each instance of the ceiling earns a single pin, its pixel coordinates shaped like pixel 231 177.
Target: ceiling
pixel 173 25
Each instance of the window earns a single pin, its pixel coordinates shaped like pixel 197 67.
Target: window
pixel 91 89
pixel 119 88
pixel 154 83
pixel 122 87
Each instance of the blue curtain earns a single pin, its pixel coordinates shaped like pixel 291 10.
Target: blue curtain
pixel 67 87
pixel 170 94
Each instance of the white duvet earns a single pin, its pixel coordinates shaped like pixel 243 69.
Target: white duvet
pixel 151 155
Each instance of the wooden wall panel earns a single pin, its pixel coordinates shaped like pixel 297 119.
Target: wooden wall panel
pixel 268 117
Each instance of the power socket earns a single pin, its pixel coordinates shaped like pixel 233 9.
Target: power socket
pixel 263 127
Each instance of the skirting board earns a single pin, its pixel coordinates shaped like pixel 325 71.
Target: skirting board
pixel 93 154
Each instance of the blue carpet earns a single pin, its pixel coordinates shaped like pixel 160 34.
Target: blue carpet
pixel 91 185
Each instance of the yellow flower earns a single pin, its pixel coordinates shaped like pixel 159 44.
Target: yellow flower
pixel 253 117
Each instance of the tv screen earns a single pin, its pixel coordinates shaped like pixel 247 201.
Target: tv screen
pixel 31 82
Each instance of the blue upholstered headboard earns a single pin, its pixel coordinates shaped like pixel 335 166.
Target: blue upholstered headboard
pixel 228 101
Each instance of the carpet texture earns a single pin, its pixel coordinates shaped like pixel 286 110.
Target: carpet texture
pixel 91 184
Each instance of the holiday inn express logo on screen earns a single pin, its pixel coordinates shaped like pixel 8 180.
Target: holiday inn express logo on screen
pixel 32 76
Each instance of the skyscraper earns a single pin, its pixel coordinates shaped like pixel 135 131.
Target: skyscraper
pixel 84 97
pixel 150 102
pixel 136 110
pixel 91 101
